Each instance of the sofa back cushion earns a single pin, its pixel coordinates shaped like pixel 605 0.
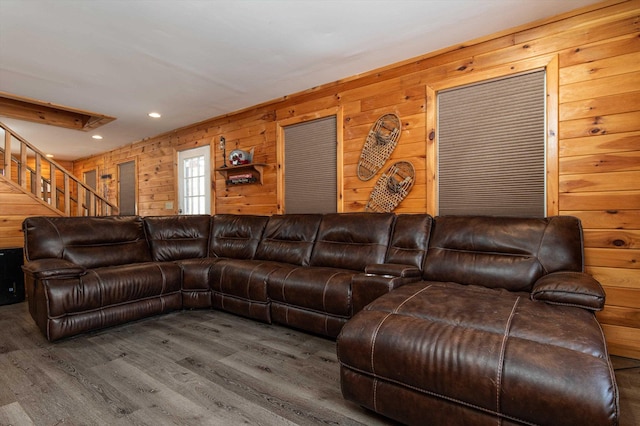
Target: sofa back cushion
pixel 178 237
pixel 502 252
pixel 352 240
pixel 410 239
pixel 88 241
pixel 236 236
pixel 289 238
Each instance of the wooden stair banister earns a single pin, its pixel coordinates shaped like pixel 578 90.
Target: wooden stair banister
pixel 43 185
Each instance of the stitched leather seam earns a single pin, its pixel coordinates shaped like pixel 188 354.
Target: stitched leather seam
pixel 573 305
pixel 59 236
pixel 230 296
pixel 323 313
pixel 324 290
pixel 503 347
pixel 435 394
pixel 397 309
pixel 71 314
pixel 100 287
pixel 612 374
pixel 284 283
pixel 48 305
pixel 373 340
pixel 249 279
pixel 222 274
pixel 164 286
pixel 375 394
pixel 394 312
pixel 542 237
pixel 561 292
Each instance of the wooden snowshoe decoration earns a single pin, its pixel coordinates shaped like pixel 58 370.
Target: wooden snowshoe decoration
pixel 392 187
pixel 380 143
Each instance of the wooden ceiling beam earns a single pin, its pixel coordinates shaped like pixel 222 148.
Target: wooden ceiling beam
pixel 36 111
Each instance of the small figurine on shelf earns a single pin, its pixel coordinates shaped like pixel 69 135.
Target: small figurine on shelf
pixel 223 148
pixel 239 157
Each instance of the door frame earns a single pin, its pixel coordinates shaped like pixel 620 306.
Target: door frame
pixel 209 193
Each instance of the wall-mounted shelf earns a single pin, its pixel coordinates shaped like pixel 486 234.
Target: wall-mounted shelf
pixel 253 169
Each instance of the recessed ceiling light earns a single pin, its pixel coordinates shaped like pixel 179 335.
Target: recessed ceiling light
pixel 154 115
pixel 49 155
pixel 96 137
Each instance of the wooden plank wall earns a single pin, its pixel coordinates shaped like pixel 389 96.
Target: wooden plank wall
pixel 14 208
pixel 598 52
pixel 16 205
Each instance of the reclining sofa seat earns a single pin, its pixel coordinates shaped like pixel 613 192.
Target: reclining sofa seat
pixel 185 241
pixel 500 329
pixel 318 297
pixel 294 269
pixel 239 282
pixel 88 273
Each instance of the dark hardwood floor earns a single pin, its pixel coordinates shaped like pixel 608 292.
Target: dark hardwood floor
pixel 189 368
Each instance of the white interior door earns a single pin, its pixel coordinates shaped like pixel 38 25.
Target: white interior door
pixel 194 181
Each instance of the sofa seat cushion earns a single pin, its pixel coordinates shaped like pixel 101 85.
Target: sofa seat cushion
pixel 325 290
pixel 307 320
pixel 195 272
pixel 196 292
pixel 109 286
pixel 243 278
pixel 498 352
pixel 239 286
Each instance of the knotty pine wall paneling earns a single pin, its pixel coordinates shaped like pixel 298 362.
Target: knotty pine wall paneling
pixel 596 50
pixel 17 205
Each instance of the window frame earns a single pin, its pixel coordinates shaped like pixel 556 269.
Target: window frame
pixel 550 64
pixel 135 184
pixel 280 153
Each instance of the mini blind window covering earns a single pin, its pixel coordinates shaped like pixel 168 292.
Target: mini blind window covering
pixel 491 147
pixel 310 175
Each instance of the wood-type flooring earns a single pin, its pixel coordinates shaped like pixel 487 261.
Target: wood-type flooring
pixel 189 368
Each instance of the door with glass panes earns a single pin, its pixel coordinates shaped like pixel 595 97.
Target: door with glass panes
pixel 194 181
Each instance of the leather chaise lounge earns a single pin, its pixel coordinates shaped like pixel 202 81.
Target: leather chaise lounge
pixel 500 330
pixel 446 320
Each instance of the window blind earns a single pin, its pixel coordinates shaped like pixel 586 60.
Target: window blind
pixel 310 175
pixel 90 179
pixel 491 147
pixel 127 188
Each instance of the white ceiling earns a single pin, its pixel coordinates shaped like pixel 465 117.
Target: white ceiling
pixel 195 59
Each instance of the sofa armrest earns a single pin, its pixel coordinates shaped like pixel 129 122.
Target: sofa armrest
pixel 365 288
pixel 571 289
pixel 53 268
pixel 393 270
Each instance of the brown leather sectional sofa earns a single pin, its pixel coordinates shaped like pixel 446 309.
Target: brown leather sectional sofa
pixel 92 272
pixel 480 319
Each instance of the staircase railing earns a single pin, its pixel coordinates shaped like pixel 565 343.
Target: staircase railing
pixel 26 166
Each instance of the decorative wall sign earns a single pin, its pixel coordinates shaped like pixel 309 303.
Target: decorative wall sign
pixel 392 187
pixel 380 143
